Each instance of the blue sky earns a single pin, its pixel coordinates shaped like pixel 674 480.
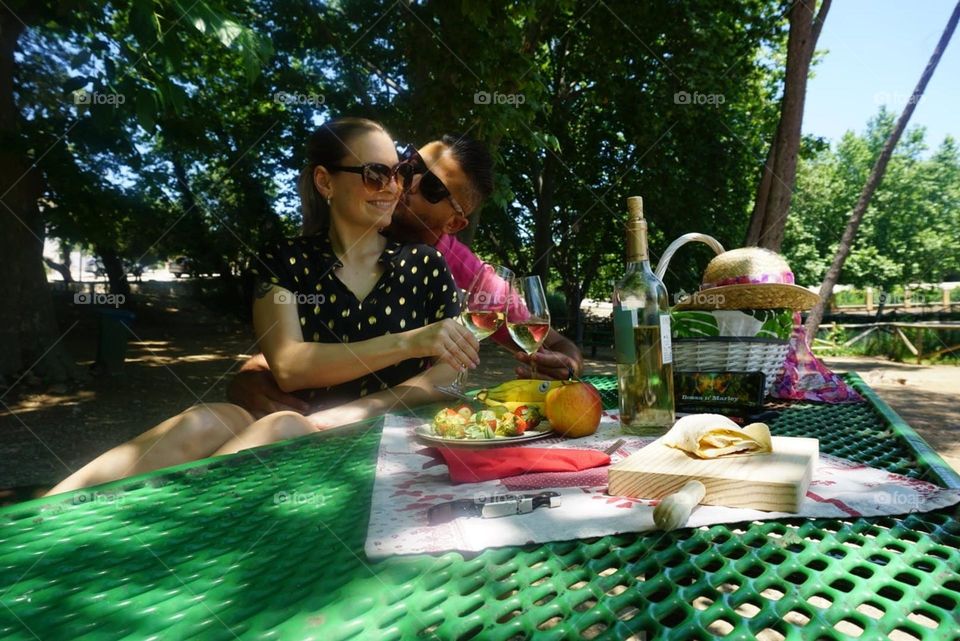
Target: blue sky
pixel 875 53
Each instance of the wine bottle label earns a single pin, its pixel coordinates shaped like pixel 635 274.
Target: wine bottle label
pixel 666 345
pixel 624 343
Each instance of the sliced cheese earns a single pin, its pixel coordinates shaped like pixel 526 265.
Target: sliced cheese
pixel 714 435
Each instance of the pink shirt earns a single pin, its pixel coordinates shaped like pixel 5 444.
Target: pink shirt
pixel 464 265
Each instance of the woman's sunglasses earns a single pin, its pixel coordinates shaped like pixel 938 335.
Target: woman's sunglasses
pixel 376 176
pixel 430 187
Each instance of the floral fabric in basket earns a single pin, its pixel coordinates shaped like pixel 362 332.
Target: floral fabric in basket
pixel 411 477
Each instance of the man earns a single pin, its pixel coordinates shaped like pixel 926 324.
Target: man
pixel 453 179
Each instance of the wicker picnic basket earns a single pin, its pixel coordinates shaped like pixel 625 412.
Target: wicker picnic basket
pixel 723 353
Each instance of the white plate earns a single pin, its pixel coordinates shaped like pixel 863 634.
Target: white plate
pixel 425 432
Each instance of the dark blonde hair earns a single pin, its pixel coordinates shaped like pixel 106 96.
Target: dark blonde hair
pixel 328 145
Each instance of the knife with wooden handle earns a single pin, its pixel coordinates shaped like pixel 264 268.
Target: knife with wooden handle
pixel 674 510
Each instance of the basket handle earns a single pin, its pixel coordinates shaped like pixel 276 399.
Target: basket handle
pixel 672 248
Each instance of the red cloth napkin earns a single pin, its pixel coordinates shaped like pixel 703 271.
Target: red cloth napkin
pixel 472 466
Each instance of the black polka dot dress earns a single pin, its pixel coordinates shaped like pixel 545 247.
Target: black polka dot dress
pixel 415 289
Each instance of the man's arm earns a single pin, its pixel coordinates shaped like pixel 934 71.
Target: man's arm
pixel 255 389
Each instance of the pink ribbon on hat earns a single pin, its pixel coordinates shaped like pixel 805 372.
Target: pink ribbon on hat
pixel 783 278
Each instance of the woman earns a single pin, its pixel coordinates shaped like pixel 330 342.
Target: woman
pixel 345 318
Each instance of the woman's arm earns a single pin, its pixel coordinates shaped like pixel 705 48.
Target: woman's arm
pixel 299 364
pixel 416 390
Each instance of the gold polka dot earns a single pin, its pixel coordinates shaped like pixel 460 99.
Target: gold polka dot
pixel 269 255
pixel 303 321
pixel 436 273
pixel 444 288
pixel 426 259
pixel 318 287
pixel 305 255
pixel 413 314
pixel 330 324
pixel 372 320
pixel 274 280
pixel 346 339
pixel 402 301
pixel 316 310
pixel 413 270
pixel 439 314
pixel 387 310
pixel 364 392
pixel 293 261
pixel 359 325
pixel 414 289
pixel 401 278
pixel 426 279
pixel 383 386
pixel 402 263
pixel 403 323
pixel 413 251
pixel 316 336
pixel 306 271
pixel 345 313
pixel 388 289
pixel 430 296
pixel 333 298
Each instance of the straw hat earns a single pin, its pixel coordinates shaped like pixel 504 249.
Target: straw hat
pixel 749 278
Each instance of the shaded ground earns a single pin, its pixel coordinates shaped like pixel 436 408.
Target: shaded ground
pixel 180 355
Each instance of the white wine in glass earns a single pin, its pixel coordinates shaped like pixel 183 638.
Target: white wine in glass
pixel 528 317
pixel 483 310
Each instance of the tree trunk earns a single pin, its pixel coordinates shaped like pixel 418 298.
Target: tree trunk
pixel 769 219
pixel 543 218
pixel 29 336
pixel 116 274
pixel 876 175
pixel 62 268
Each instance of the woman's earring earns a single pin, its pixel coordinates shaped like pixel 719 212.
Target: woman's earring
pixel 329 200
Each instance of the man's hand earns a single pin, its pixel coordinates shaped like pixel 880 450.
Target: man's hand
pixel 559 358
pixel 550 365
pixel 255 389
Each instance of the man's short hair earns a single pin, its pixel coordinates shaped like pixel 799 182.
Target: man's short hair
pixel 475 161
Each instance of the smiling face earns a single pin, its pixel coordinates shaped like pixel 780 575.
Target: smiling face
pixel 419 220
pixel 351 201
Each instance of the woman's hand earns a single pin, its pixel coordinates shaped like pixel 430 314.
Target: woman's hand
pixel 448 341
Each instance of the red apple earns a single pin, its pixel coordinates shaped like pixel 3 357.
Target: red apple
pixel 574 409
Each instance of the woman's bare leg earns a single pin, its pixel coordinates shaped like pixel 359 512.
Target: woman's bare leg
pixel 193 434
pixel 278 426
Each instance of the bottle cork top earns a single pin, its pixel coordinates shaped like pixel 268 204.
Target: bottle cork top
pixel 635 206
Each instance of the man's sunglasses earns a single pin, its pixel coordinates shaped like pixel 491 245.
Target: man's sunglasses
pixel 430 187
pixel 376 176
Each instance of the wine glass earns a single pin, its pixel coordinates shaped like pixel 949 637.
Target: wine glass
pixel 483 310
pixel 528 317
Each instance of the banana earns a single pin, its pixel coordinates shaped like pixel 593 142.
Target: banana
pixel 523 390
pixel 511 406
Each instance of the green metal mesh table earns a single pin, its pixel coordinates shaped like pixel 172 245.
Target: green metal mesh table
pixel 269 545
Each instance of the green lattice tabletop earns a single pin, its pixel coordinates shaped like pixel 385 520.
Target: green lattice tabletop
pixel 269 544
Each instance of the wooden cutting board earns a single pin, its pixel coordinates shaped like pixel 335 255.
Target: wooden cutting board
pixel 776 482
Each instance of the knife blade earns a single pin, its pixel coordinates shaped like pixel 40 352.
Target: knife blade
pixel 491 507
